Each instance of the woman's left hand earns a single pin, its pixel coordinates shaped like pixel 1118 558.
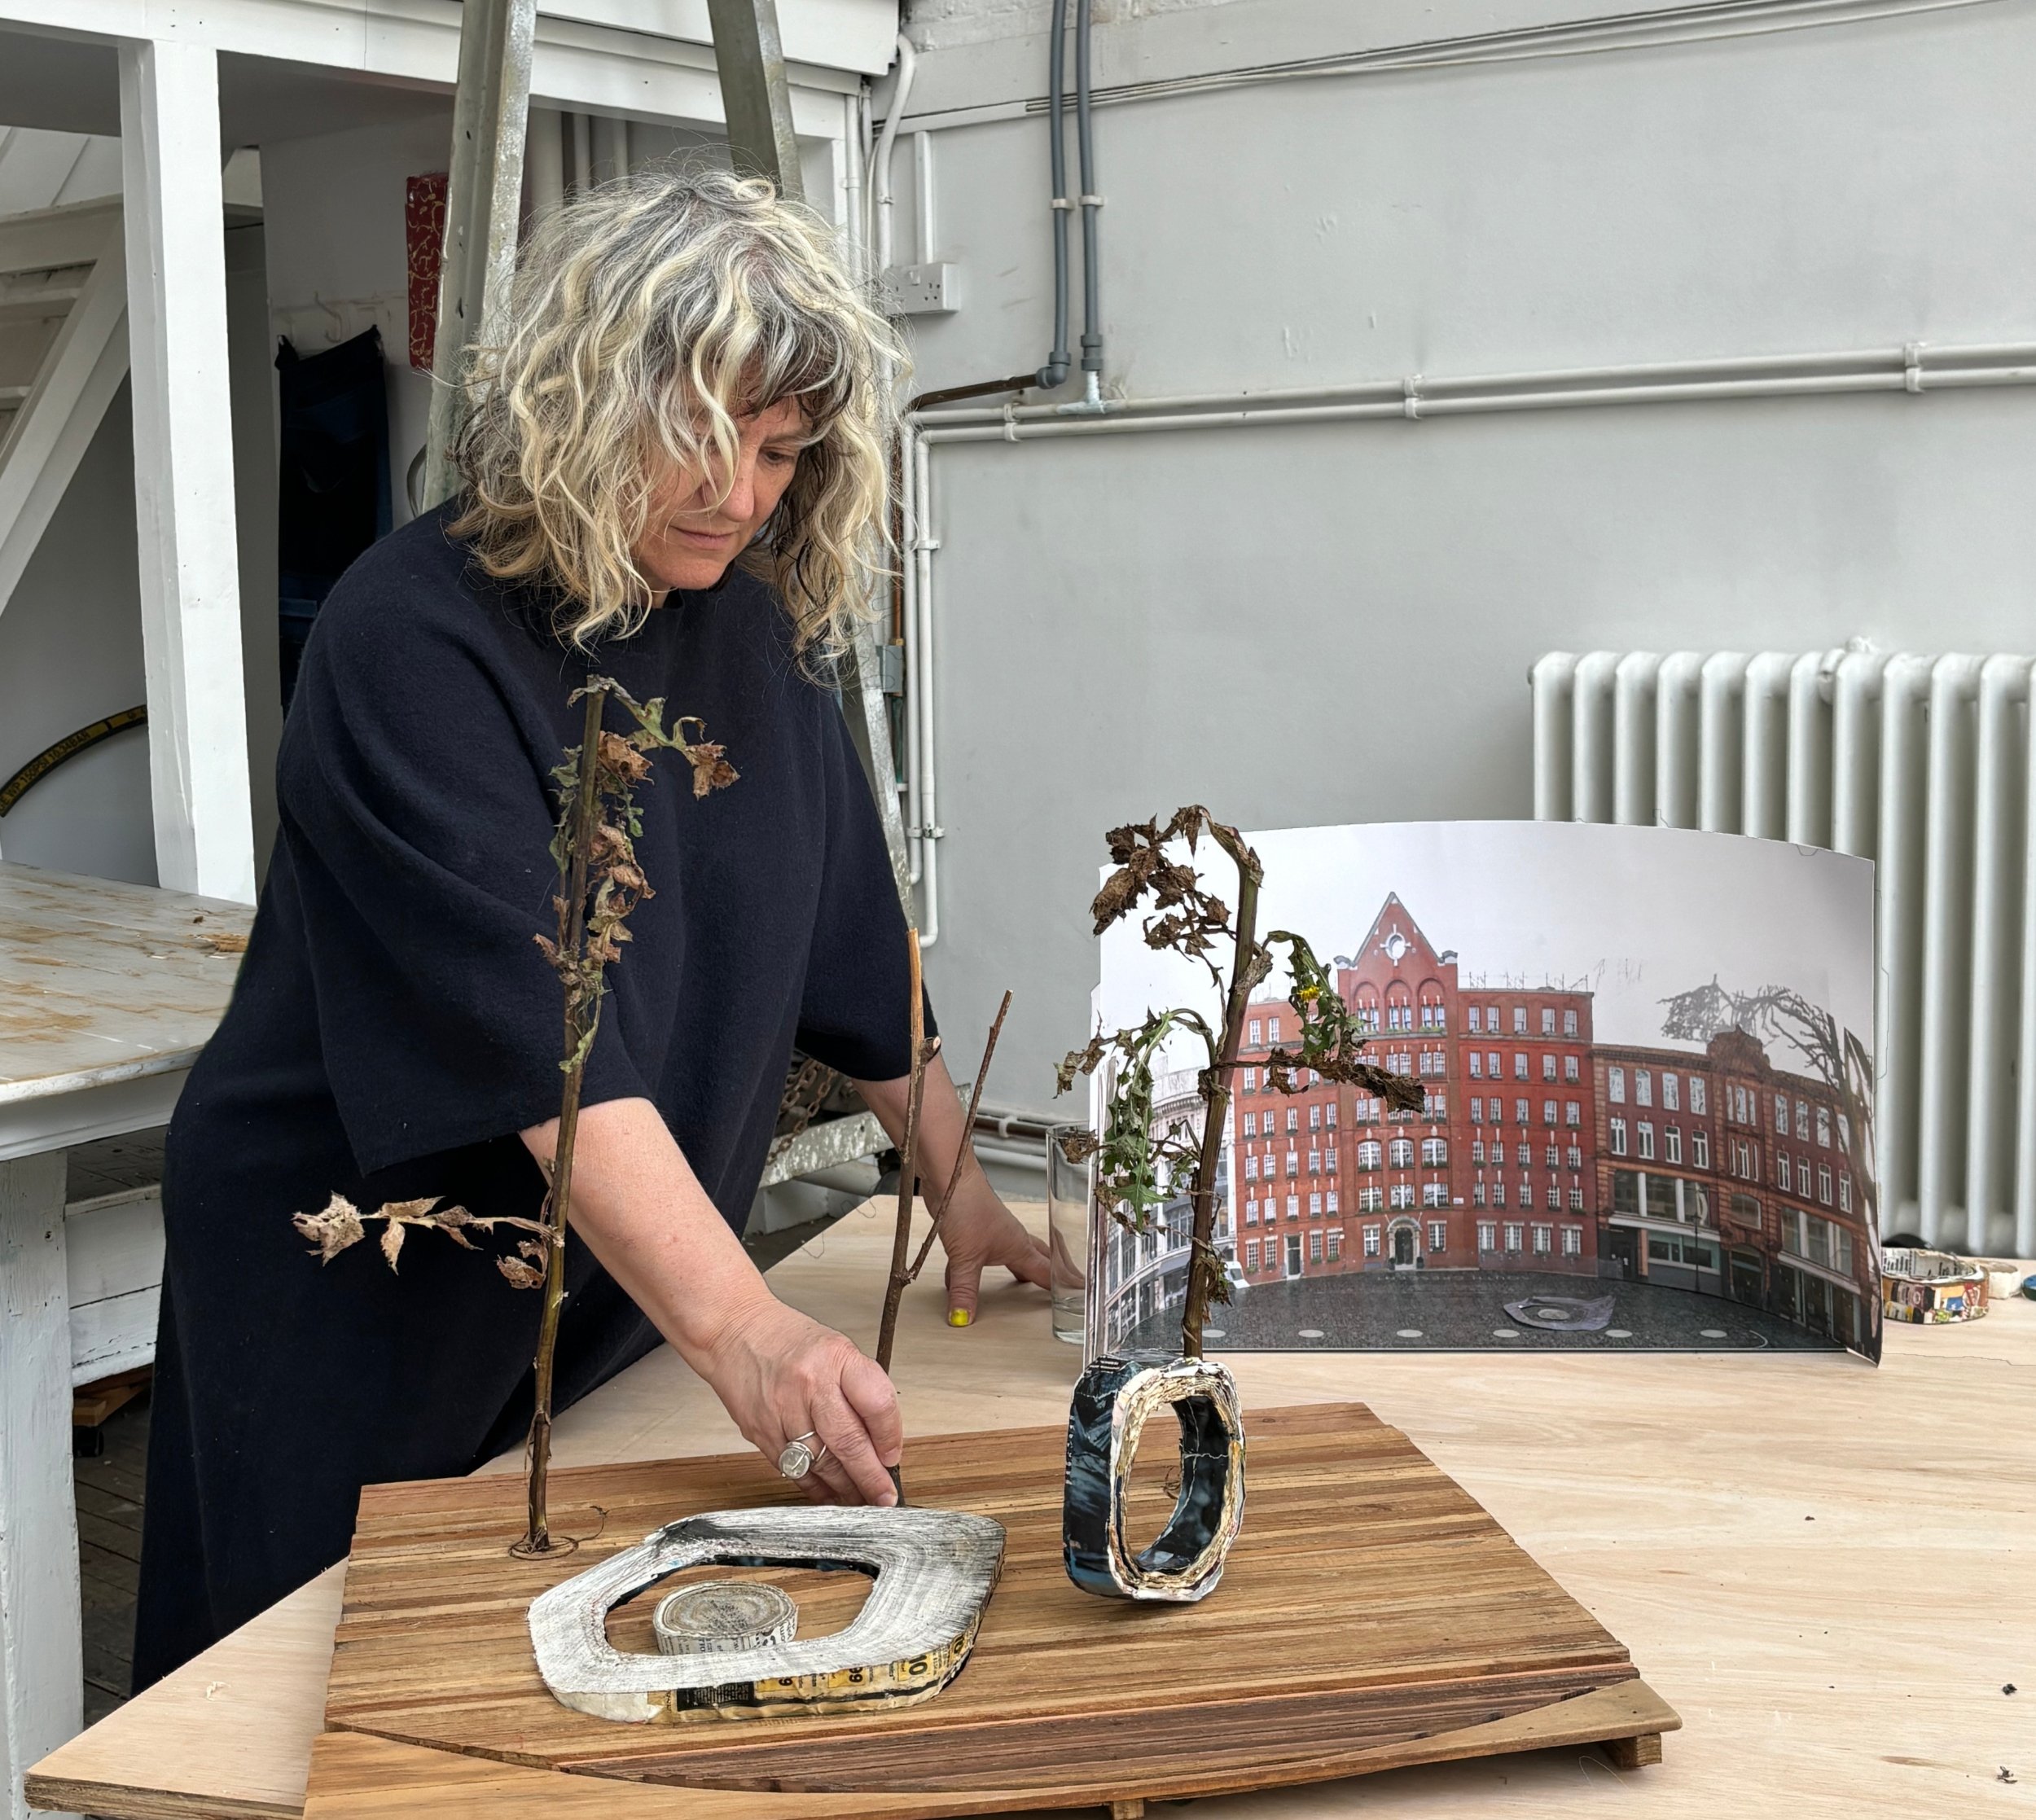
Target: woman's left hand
pixel 978 1231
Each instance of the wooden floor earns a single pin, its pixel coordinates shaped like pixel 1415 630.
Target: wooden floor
pixel 109 1551
pixel 109 1485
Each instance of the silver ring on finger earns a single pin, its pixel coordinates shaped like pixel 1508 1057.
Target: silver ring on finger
pixel 795 1458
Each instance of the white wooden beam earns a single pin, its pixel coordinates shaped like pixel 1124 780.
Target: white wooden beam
pixel 183 468
pixel 55 425
pixel 73 233
pixel 42 1663
pixel 643 72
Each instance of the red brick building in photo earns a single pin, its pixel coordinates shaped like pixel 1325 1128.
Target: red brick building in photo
pixel 1539 1149
pixel 1720 1172
pixel 1498 1170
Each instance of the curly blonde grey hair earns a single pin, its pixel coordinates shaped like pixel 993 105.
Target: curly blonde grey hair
pixel 646 316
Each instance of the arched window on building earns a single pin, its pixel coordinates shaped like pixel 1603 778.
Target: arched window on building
pixel 1402 1153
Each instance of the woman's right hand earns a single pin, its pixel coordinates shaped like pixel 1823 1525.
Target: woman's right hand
pixel 782 1376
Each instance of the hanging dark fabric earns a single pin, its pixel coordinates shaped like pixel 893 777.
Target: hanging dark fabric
pixel 332 484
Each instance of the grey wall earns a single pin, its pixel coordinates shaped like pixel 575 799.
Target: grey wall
pixel 1335 623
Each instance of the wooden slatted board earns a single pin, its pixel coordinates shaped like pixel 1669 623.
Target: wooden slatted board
pixel 1372 1614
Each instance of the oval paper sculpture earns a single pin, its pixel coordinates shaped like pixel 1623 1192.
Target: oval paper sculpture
pixel 933 1572
pixel 1111 1402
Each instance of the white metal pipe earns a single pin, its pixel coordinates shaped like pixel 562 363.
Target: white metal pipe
pixel 1901 875
pixel 1998 880
pixel 886 143
pixel 1633 710
pixel 1947 948
pixel 923 545
pixel 1678 753
pixel 852 201
pixel 1855 753
pixel 1552 681
pixel 1721 683
pixel 922 196
pixel 1886 363
pixel 910 455
pixel 1591 749
pixel 1764 724
pixel 1419 396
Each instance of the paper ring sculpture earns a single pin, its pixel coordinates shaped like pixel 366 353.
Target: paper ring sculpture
pixel 933 1572
pixel 1111 1402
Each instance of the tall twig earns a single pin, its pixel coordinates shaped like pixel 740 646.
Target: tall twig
pixel 599 884
pixel 908 1165
pixel 580 1018
pixel 966 1152
pixel 1202 1262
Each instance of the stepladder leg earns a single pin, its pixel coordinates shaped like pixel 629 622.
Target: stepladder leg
pixel 1634 1753
pixel 41 1665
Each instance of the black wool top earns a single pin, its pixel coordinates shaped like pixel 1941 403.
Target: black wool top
pixel 395 1026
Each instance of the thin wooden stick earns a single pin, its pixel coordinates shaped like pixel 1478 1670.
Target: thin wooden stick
pixel 966 1153
pixel 538 1537
pixel 908 1165
pixel 1216 1101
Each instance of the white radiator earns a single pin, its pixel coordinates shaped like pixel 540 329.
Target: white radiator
pixel 1922 765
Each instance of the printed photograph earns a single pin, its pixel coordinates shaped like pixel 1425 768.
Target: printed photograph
pixel 1646 1074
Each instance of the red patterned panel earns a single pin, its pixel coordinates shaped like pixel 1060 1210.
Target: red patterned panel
pixel 424 238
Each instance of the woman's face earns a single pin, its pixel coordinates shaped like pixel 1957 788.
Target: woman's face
pixel 691 535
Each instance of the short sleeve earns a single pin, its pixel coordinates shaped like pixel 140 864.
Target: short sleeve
pixel 855 1013
pixel 418 816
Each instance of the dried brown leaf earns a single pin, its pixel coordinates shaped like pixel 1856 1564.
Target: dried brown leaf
pixel 334 1229
pixel 617 755
pixel 393 1241
pixel 711 769
pixel 521 1275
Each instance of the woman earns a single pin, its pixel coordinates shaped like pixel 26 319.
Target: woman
pixel 674 468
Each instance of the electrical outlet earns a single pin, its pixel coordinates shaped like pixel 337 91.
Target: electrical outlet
pixel 923 290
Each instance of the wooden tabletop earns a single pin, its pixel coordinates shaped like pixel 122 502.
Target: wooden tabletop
pixel 102 982
pixel 1828 1570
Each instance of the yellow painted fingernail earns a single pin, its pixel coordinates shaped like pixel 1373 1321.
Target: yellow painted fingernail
pixel 957 1317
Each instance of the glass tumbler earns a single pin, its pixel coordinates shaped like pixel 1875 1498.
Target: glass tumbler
pixel 1070 1190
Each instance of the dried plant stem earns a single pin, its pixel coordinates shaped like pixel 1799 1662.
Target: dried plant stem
pixel 1202 1258
pixel 908 1165
pixel 966 1153
pixel 582 1011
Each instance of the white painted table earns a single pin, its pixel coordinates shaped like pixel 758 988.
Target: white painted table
pixel 108 992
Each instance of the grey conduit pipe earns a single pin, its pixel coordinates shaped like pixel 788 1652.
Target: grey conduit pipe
pixel 1091 208
pixel 1054 372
